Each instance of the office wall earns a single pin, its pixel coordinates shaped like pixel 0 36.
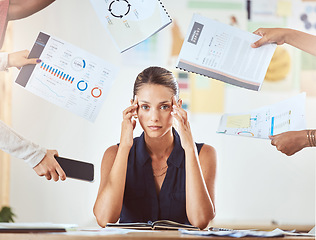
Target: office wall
pixel 254 182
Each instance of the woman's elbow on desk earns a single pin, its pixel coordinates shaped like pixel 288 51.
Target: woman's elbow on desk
pixel 203 220
pixel 101 218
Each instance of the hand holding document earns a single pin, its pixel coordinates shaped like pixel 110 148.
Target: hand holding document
pixel 68 76
pixel 223 52
pixel 288 115
pixel 131 22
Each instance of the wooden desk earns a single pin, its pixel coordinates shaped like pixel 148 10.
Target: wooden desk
pixel 154 235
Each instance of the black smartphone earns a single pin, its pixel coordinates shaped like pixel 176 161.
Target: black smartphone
pixel 76 169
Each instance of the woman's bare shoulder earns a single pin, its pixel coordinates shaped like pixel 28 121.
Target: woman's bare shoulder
pixel 110 153
pixel 208 154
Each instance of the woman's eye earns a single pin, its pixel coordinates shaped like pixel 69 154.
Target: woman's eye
pixel 145 107
pixel 164 107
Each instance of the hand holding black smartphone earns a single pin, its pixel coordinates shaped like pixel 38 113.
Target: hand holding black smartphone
pixel 76 169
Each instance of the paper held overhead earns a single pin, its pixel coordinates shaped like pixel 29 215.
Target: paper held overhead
pixel 131 22
pixel 223 52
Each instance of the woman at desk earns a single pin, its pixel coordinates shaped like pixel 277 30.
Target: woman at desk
pixel 149 177
pixel 293 141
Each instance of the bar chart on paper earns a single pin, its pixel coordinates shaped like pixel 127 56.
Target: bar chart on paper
pixel 57 73
pixel 68 76
pixel 288 115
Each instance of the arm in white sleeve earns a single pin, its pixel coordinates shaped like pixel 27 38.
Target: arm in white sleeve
pixel 19 147
pixel 3 61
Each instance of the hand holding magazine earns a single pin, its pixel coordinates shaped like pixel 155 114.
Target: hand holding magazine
pixel 223 52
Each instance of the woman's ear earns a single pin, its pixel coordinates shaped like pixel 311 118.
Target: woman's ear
pixel 180 102
pixel 132 101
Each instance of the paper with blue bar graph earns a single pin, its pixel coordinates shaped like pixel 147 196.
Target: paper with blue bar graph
pixel 288 115
pixel 68 76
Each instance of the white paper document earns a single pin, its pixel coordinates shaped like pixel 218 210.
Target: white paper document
pixel 68 76
pixel 129 22
pixel 38 225
pixel 288 115
pixel 223 52
pixel 245 233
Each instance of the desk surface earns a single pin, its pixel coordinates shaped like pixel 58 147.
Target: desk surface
pixel 154 235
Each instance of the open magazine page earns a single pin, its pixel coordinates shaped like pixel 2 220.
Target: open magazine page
pixel 167 224
pixel 136 225
pixel 223 52
pixel 157 225
pixel 288 115
pixel 131 22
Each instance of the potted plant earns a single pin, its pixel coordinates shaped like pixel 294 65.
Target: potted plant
pixel 6 215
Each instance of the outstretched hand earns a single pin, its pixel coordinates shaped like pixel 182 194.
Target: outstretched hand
pixel 49 167
pixel 181 116
pixel 269 35
pixel 290 142
pixel 19 59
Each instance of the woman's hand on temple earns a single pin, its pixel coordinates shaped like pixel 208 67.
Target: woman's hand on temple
pixel 128 124
pixel 181 116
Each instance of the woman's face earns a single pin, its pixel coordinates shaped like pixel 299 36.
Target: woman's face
pixel 154 109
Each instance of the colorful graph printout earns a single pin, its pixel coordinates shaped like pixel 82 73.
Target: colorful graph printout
pixel 288 115
pixel 68 76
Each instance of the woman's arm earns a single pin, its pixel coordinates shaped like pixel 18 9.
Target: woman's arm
pixel 41 160
pixel 23 8
pixel 108 205
pixel 200 174
pixel 292 142
pixel 16 59
pixel 298 39
pixel 200 185
pixel 109 201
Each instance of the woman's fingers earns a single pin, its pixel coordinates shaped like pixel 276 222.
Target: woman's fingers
pixel 61 173
pixel 174 101
pixel 129 115
pixel 134 124
pixel 179 113
pixel 182 113
pixel 130 109
pixel 135 100
pixel 48 176
pixel 177 117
